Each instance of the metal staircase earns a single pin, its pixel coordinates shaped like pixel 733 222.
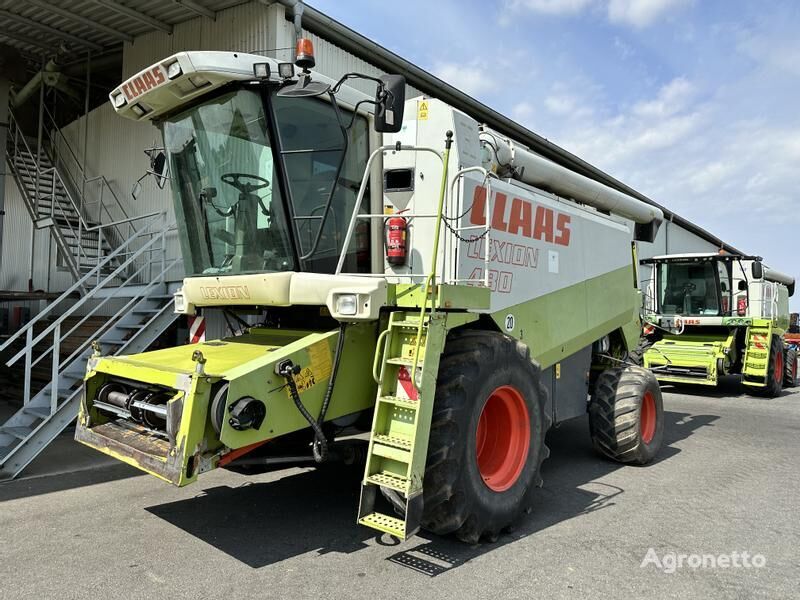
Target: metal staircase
pixel 134 316
pixel 85 218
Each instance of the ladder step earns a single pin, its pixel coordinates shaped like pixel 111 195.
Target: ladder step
pixel 404 362
pixel 408 325
pixel 17 432
pixel 385 523
pixel 389 480
pixel 391 452
pixel 394 441
pixel 401 402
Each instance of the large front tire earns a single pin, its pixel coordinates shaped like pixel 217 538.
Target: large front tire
pixel 626 415
pixel 775 371
pixel 790 369
pixel 487 436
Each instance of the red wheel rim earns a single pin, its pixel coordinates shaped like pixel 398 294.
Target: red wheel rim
pixel 503 438
pixel 778 374
pixel 647 418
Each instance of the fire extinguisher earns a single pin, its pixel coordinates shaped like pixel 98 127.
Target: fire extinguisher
pixel 396 233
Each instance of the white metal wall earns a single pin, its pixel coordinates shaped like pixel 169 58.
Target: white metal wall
pixel 115 145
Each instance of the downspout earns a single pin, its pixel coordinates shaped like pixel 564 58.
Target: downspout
pixel 5 90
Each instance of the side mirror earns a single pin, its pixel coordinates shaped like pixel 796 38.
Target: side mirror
pixel 742 286
pixel 136 189
pixel 758 270
pixel 390 102
pixel 158 165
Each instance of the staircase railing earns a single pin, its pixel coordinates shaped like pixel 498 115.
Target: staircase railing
pixel 154 249
pixel 98 202
pixel 72 219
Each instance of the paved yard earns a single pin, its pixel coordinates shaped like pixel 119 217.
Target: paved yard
pixel 726 481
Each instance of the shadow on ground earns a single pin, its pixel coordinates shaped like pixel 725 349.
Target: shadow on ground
pixel 265 523
pixel 729 386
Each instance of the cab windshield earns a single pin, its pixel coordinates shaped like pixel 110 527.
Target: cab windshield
pixel 236 213
pixel 689 288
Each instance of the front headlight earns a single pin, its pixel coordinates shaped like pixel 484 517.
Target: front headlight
pixel 347 304
pixel 119 100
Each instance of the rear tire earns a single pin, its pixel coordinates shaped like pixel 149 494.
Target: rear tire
pixel 790 368
pixel 775 370
pixel 626 415
pixel 636 356
pixel 487 436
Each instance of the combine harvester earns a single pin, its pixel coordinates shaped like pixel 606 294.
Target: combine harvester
pixel 709 315
pixel 408 269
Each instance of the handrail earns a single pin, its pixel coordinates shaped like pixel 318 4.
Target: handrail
pixel 487 235
pixel 362 189
pixel 83 300
pixel 79 284
pixel 432 275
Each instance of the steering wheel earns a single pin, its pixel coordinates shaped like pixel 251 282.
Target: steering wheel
pixel 235 180
pixel 689 287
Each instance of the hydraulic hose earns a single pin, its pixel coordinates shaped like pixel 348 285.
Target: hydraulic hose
pixel 288 370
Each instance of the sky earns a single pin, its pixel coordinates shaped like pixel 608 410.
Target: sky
pixel 692 102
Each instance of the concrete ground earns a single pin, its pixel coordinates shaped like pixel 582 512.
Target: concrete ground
pixel 726 481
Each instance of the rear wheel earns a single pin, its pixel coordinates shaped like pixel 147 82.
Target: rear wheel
pixel 790 369
pixel 487 436
pixel 626 415
pixel 775 370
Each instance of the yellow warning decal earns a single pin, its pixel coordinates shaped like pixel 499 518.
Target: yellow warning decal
pixel 319 354
pixel 558 370
pixel 319 368
pixel 422 111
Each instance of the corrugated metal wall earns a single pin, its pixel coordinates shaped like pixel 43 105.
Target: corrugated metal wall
pixel 115 145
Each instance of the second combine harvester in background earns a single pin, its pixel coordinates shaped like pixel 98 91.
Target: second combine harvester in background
pixel 709 315
pixel 405 265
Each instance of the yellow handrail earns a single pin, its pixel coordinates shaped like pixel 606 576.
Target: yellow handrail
pixel 431 279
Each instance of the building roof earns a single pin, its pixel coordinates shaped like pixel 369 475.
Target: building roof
pixel 46 27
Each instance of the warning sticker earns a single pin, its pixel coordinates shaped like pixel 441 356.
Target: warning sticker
pixel 320 356
pixel 422 111
pixel 318 369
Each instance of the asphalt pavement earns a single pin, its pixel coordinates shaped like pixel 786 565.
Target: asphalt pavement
pixel 725 485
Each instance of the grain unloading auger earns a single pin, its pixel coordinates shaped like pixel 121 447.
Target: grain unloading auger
pixel 401 263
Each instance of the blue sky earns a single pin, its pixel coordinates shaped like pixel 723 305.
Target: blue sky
pixel 692 102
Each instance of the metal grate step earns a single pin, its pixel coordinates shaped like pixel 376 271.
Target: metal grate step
pixel 385 523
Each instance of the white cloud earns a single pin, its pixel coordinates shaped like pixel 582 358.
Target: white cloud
pixel 552 7
pixel 671 98
pixel 473 77
pixel 635 13
pixel 641 13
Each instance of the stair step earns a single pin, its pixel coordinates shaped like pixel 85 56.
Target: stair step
pixel 389 480
pixel 40 412
pixel 114 342
pixel 404 362
pixel 17 432
pixel 403 443
pixel 401 402
pixel 385 523
pixel 391 452
pixel 408 324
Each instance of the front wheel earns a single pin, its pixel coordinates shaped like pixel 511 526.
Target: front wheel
pixel 775 370
pixel 487 436
pixel 626 415
pixel 790 370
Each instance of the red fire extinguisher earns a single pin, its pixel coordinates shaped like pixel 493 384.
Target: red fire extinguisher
pixel 396 233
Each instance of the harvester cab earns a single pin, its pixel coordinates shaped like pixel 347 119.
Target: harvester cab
pixel 712 314
pixel 401 262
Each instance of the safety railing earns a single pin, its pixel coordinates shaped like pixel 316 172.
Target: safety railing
pixel 93 305
pixel 97 200
pixel 448 273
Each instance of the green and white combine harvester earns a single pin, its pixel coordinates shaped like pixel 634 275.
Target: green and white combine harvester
pixel 709 315
pixel 404 270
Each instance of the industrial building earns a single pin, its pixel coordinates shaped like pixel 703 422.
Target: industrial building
pixel 85 261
